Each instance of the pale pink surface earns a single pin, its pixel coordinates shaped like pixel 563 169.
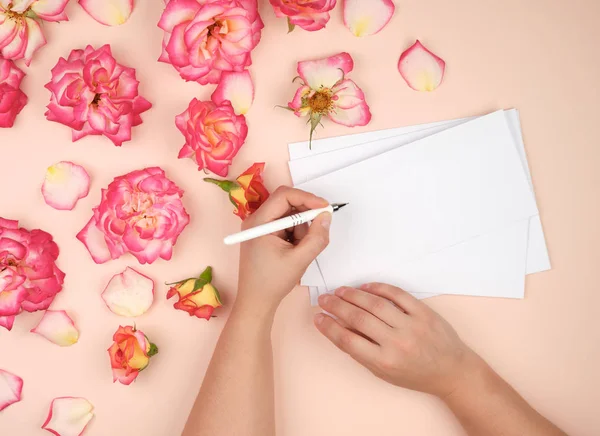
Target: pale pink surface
pixel 546 345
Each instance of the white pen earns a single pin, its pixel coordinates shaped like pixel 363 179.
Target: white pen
pixel 280 224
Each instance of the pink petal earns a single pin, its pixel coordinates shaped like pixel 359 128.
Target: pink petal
pixel 35 39
pixel 359 115
pixel 7 322
pixel 64 185
pixel 94 241
pixel 108 12
pixel 129 293
pixel 237 88
pixel 11 387
pixel 367 17
pixel 422 70
pixel 50 10
pixel 325 72
pixel 68 416
pixel 58 328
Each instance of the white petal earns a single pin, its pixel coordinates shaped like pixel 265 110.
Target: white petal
pixel 10 389
pixel 58 328
pixel 69 416
pixel 237 87
pixel 129 293
pixel 108 12
pixel 422 70
pixel 367 17
pixel 64 185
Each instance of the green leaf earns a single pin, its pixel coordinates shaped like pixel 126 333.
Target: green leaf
pixel 198 284
pixel 207 274
pixel 153 350
pixel 315 119
pixel 218 296
pixel 225 185
pixel 291 26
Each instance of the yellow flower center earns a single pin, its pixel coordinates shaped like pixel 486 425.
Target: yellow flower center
pixel 321 101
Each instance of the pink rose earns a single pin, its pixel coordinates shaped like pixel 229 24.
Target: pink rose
pixel 20 33
pixel 308 14
pixel 29 277
pixel 12 99
pixel 206 37
pixel 213 134
pixel 140 213
pixel 94 95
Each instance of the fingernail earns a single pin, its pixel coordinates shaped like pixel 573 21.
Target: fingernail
pixel 326 221
pixel 366 286
pixel 319 318
pixel 324 299
pixel 340 291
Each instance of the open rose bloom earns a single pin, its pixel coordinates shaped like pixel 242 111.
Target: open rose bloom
pixel 20 32
pixel 247 193
pixel 308 14
pixel 326 92
pixel 94 95
pixel 12 99
pixel 203 38
pixel 197 296
pixel 29 277
pixel 129 354
pixel 140 213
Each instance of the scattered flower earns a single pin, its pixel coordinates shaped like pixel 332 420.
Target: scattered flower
pixel 367 17
pixel 129 293
pixel 94 95
pixel 29 277
pixel 204 38
pixel 422 70
pixel 325 91
pixel 58 328
pixel 12 99
pixel 11 387
pixel 197 296
pixel 129 354
pixel 213 134
pixel 247 192
pixel 140 213
pixel 69 416
pixel 20 31
pixel 64 185
pixel 108 12
pixel 308 14
pixel 236 88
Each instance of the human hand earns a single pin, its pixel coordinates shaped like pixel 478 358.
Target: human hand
pixel 408 345
pixel 270 266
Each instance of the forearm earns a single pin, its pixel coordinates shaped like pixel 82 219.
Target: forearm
pixel 236 397
pixel 485 404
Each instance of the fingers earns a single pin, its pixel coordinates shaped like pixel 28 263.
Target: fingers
pixel 378 306
pixel 356 346
pixel 315 240
pixel 401 298
pixel 356 318
pixel 281 202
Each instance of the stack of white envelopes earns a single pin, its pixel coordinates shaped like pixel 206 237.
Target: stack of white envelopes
pixel 440 208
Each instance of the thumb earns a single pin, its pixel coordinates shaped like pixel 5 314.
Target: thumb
pixel 316 239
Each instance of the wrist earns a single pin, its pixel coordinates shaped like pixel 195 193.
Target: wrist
pixel 471 381
pixel 254 309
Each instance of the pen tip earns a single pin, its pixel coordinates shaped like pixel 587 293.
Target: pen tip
pixel 338 206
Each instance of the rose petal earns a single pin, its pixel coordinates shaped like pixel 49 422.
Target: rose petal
pixel 11 387
pixel 64 185
pixel 129 293
pixel 35 39
pixel 108 12
pixel 367 17
pixel 68 416
pixel 325 72
pixel 359 115
pixel 94 241
pixel 422 70
pixel 58 328
pixel 7 322
pixel 237 88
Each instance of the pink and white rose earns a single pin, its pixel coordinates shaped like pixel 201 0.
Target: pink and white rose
pixel 308 14
pixel 203 38
pixel 140 213
pixel 95 95
pixel 12 99
pixel 29 277
pixel 20 31
pixel 213 134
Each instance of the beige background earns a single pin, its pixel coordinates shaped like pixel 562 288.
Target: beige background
pixel 539 56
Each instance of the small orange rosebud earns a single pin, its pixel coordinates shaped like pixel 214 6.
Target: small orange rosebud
pixel 197 296
pixel 129 354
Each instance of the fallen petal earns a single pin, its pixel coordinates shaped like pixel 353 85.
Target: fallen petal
pixel 129 293
pixel 95 242
pixel 422 70
pixel 64 185
pixel 7 322
pixel 237 88
pixel 69 416
pixel 108 12
pixel 367 17
pixel 10 389
pixel 58 328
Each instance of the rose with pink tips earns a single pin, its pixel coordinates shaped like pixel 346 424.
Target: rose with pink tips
pixel 310 15
pixel 69 416
pixel 20 31
pixel 11 387
pixel 140 213
pixel 326 92
pixel 94 95
pixel 108 12
pixel 421 69
pixel 205 38
pixel 367 17
pixel 12 99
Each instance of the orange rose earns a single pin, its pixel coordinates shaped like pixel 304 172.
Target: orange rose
pixel 247 193
pixel 197 296
pixel 129 354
